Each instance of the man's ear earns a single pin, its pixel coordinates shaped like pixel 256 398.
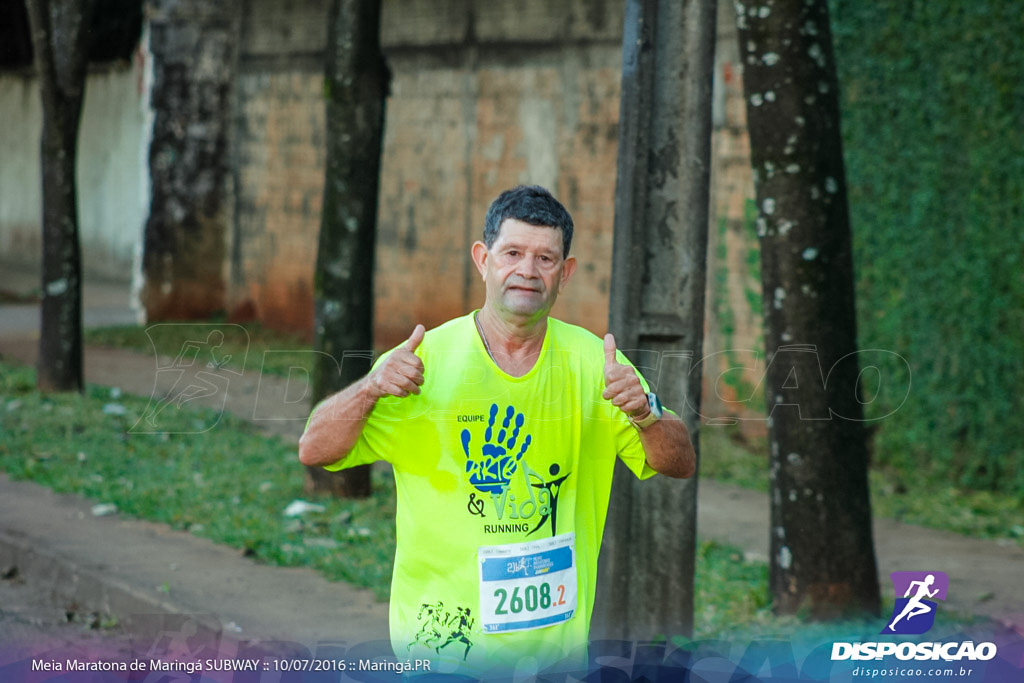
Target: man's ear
pixel 568 268
pixel 480 255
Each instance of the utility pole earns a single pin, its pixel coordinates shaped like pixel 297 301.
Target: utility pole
pixel 645 588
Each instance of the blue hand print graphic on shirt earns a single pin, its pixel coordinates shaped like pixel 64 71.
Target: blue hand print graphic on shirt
pixel 492 469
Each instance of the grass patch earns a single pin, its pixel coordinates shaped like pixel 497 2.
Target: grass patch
pixel 228 483
pixel 921 500
pixel 245 347
pixel 729 591
pixel 728 457
pixel 936 504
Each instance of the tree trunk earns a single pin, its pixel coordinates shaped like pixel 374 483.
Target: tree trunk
pixel 647 561
pixel 194 46
pixel 60 42
pixel 822 552
pixel 356 80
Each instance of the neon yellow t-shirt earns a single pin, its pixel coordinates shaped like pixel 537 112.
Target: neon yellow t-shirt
pixel 502 491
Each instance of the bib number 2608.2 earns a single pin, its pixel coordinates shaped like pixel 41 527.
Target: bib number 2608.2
pixel 527 585
pixel 534 597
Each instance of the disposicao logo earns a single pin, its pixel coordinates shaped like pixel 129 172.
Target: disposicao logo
pixel 914 613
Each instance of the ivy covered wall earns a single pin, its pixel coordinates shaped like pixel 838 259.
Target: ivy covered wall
pixel 933 121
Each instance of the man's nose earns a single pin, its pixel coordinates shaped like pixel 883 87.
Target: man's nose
pixel 527 267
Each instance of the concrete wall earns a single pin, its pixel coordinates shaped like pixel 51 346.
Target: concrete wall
pixel 484 96
pixel 461 137
pixel 278 163
pixel 734 344
pixel 112 174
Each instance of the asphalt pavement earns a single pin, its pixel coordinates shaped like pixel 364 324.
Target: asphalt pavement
pixel 164 583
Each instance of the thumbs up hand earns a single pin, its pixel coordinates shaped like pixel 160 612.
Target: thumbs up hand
pixel 401 373
pixel 622 386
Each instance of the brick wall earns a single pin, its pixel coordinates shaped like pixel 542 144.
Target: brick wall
pixel 278 172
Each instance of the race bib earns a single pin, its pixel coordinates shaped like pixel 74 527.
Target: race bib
pixel 527 585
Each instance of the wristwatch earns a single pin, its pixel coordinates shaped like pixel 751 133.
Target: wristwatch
pixel 656 412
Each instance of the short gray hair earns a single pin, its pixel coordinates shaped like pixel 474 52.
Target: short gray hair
pixel 530 204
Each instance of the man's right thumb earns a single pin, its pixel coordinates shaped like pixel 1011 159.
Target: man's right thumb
pixel 414 340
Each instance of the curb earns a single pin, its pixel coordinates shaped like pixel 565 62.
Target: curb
pixel 152 578
pixel 82 589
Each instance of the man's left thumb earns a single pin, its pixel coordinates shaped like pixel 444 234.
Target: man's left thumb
pixel 609 348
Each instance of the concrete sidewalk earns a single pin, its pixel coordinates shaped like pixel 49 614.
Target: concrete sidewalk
pixel 140 571
pixel 132 568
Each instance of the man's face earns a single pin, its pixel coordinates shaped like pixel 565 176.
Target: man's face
pixel 524 270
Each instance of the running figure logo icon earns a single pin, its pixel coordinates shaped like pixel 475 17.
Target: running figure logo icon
pixel 914 613
pixel 198 374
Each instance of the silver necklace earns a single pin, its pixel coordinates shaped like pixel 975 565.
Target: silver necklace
pixel 476 319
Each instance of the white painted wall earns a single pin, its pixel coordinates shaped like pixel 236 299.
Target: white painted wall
pixel 20 123
pixel 113 173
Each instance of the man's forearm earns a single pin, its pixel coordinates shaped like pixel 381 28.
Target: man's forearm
pixel 668 447
pixel 335 425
